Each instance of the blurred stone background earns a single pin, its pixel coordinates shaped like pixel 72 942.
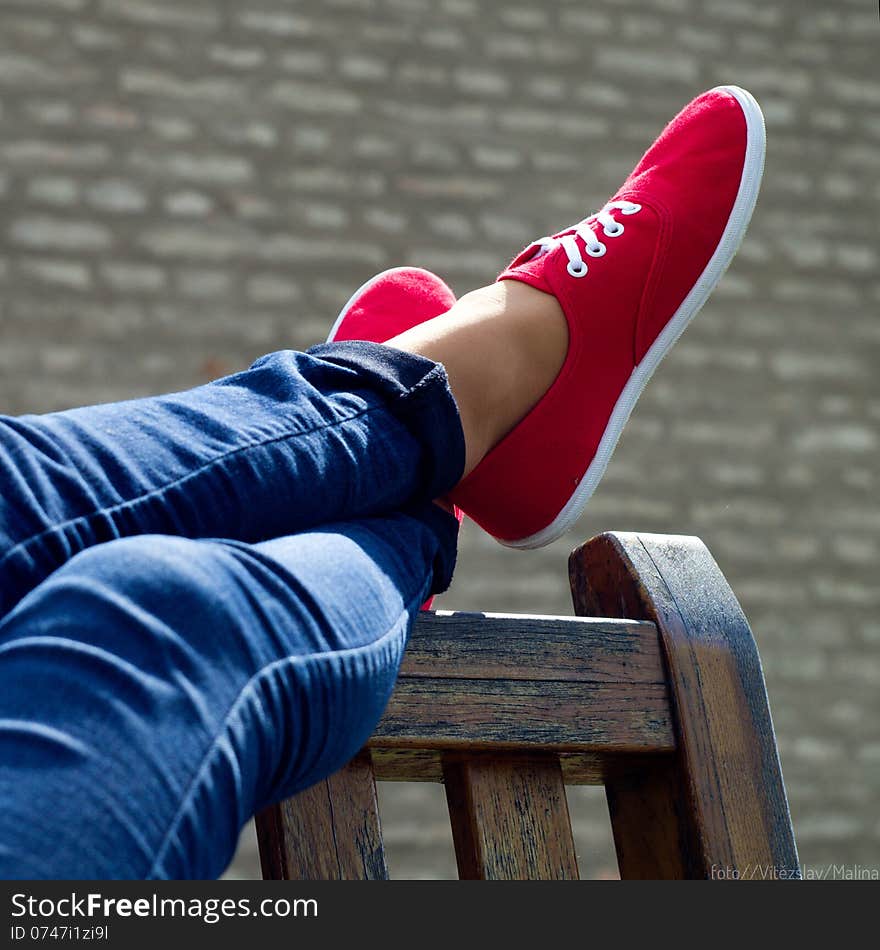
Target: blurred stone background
pixel 186 184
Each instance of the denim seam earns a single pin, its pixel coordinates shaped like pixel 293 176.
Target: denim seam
pixel 128 503
pixel 244 695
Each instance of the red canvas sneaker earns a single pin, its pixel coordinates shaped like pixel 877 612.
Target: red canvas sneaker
pixel 391 303
pixel 629 279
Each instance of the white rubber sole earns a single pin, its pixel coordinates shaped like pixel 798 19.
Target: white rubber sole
pixel 741 213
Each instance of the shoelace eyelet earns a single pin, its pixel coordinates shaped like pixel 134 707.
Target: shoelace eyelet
pixel 577 266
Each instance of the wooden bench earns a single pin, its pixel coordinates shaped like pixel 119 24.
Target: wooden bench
pixel 654 690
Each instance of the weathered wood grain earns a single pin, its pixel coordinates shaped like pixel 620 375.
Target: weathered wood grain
pixel 460 645
pixel 329 832
pixel 509 818
pixel 421 765
pixel 734 812
pixel 650 831
pixel 487 681
pixel 505 714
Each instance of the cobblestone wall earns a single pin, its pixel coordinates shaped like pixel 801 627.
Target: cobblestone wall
pixel 185 184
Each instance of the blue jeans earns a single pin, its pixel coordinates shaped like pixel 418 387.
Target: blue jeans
pixel 205 598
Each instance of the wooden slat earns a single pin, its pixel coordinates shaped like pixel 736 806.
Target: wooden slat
pixel 650 832
pixel 504 714
pixel 422 765
pixel 510 819
pixel 407 765
pixel 735 813
pixel 460 645
pixel 329 832
pixel 562 684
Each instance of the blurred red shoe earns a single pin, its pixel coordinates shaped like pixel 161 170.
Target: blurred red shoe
pixel 391 303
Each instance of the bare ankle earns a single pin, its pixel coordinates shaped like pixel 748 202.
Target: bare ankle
pixel 502 347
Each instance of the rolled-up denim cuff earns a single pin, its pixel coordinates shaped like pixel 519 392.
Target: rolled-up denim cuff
pixel 418 394
pixel 445 527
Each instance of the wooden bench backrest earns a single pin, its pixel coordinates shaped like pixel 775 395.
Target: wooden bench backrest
pixel 654 691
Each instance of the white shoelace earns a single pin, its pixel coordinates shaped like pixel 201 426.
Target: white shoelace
pixel 611 227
